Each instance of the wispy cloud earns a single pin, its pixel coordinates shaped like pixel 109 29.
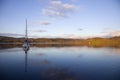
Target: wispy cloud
pixel 80 29
pixel 108 32
pixel 39 23
pixel 114 33
pixel 21 35
pixel 44 23
pixel 70 36
pixel 40 31
pixel 58 9
pixel 12 34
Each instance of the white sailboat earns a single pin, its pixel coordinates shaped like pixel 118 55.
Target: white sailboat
pixel 26 44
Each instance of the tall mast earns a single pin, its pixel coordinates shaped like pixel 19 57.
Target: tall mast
pixel 26 36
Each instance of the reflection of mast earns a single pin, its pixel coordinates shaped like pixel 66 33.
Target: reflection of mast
pixel 26 46
pixel 26 62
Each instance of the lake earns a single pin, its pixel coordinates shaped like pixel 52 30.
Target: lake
pixel 60 63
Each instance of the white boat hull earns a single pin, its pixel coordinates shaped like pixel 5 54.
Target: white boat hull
pixel 26 47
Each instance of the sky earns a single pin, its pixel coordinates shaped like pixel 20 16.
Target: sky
pixel 60 18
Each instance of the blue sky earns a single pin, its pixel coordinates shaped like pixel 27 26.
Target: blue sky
pixel 60 18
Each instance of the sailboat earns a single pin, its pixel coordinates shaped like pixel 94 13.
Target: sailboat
pixel 26 44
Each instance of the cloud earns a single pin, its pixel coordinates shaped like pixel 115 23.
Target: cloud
pixel 103 32
pixel 58 9
pixel 69 36
pixel 44 23
pixel 80 29
pixel 46 0
pixel 108 32
pixel 114 33
pixel 40 31
pixel 38 23
pixel 72 36
pixel 12 34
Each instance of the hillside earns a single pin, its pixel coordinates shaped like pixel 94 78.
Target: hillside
pixel 93 42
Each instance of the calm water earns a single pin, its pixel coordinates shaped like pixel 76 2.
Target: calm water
pixel 60 63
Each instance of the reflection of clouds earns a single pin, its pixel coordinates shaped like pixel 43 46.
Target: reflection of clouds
pixel 41 62
pixel 33 63
pixel 45 62
pixel 88 49
pixel 116 50
pixel 80 55
pixel 58 74
pixel 75 49
pixel 11 50
pixel 39 54
pixel 112 51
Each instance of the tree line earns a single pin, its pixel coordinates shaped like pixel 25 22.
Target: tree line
pixel 96 42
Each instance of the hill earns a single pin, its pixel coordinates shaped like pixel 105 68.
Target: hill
pixel 92 42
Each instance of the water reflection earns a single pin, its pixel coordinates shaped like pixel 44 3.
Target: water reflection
pixel 63 63
pixel 40 54
pixel 26 55
pixel 116 50
pixel 26 61
pixel 45 62
pixel 58 74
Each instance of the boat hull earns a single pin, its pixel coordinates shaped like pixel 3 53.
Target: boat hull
pixel 26 47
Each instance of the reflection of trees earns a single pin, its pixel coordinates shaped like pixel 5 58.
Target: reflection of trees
pixel 58 74
pixel 4 46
